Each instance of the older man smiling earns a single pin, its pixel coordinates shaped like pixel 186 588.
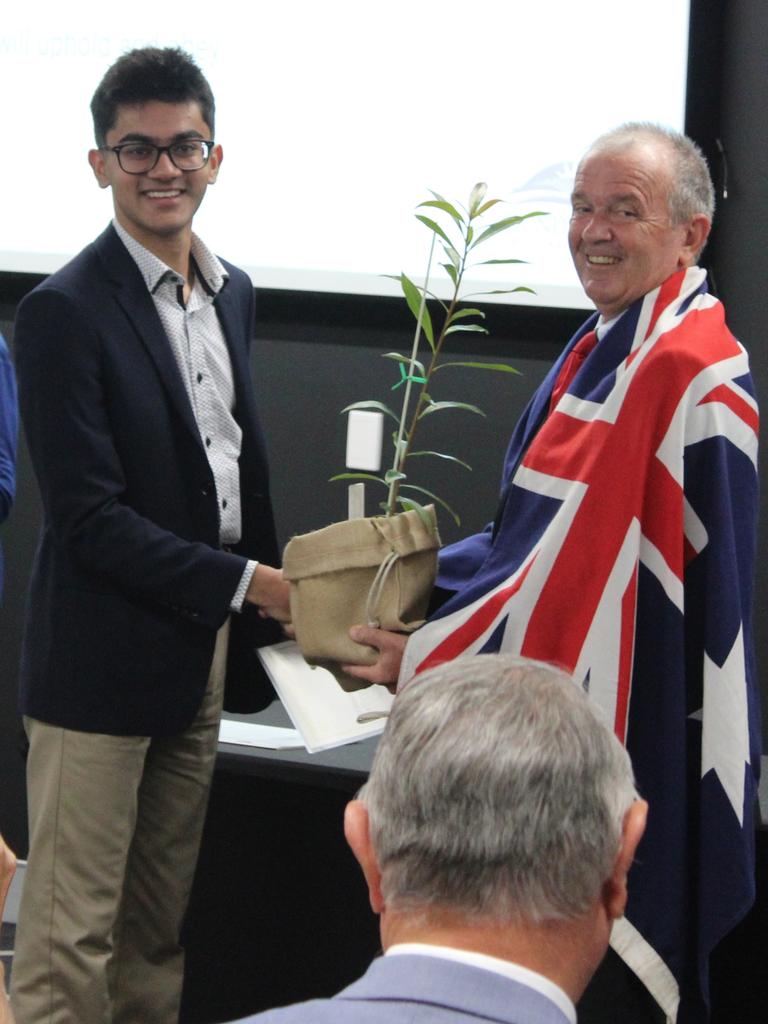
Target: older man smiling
pixel 623 549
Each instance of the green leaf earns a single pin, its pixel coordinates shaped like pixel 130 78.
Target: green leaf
pixel 497 228
pixel 411 505
pixel 405 360
pixel 452 255
pixel 502 291
pixel 436 298
pixel 393 474
pixel 507 222
pixel 466 327
pixel 430 294
pixel 458 313
pixel 433 226
pixel 441 455
pixel 357 476
pixel 487 263
pixel 434 497
pixel 487 206
pixel 502 367
pixel 441 204
pixel 413 298
pixel 476 196
pixel 438 406
pixel 372 405
pixel 451 272
pixel 470 234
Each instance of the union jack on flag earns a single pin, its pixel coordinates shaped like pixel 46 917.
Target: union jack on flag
pixel 624 551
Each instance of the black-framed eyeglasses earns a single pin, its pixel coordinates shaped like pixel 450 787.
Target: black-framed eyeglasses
pixel 142 157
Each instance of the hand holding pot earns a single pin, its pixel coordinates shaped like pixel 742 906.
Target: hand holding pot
pixel 390 647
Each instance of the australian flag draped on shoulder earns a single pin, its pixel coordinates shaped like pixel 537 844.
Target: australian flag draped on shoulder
pixel 624 551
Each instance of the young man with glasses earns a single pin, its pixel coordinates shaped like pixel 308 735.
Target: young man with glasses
pixel 154 559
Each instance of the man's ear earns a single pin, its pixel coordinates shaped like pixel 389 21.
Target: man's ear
pixel 358 835
pixel 696 234
pixel 96 160
pixel 615 888
pixel 214 162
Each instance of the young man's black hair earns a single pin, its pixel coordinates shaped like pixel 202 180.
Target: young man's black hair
pixel 169 75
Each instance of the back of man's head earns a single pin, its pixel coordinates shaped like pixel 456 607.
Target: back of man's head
pixel 167 75
pixel 496 794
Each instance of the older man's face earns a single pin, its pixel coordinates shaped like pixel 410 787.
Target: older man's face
pixel 622 241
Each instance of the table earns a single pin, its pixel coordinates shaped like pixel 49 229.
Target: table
pixel 279 910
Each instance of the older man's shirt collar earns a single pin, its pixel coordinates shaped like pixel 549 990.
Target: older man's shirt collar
pixel 516 972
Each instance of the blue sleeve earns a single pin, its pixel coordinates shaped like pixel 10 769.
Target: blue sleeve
pixel 9 431
pixel 459 562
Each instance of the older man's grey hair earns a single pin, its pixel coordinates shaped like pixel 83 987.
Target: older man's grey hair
pixel 497 792
pixel 692 190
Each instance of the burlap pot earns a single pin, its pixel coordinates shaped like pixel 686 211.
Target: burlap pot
pixel 379 571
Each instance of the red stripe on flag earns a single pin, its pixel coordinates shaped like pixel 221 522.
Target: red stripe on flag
pixel 613 461
pixel 668 291
pixel 458 641
pixel 626 657
pixel 662 515
pixel 725 396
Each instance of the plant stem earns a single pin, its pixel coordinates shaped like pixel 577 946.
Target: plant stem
pixel 400 459
pixel 397 462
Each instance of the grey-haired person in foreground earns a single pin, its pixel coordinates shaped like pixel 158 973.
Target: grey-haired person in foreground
pixel 495 834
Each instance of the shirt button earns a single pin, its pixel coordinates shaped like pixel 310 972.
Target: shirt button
pixel 199 377
pixel 207 442
pixel 224 503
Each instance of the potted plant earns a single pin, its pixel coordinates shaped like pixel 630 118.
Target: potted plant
pixel 381 569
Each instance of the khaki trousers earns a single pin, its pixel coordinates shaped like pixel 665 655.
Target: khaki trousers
pixel 115 825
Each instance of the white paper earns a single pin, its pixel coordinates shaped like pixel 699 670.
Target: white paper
pixel 253 734
pixel 324 713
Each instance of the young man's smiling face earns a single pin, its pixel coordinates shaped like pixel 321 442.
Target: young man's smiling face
pixel 156 208
pixel 621 236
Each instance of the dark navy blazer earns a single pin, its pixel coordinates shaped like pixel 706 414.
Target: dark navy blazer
pixel 129 584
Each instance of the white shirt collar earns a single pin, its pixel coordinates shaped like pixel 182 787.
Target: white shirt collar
pixel 522 975
pixel 153 270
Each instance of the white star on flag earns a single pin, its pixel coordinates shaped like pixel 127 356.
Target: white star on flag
pixel 725 728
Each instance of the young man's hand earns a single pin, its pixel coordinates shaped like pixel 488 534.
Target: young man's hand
pixel 270 592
